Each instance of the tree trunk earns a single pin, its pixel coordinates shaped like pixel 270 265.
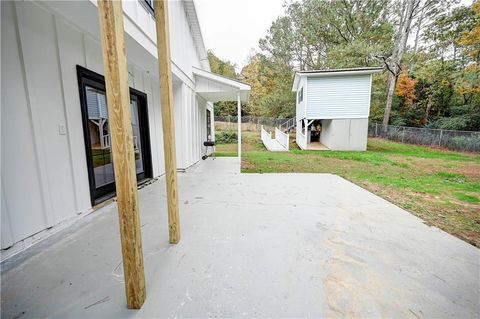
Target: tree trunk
pixel 419 28
pixel 392 81
pixel 399 49
pixel 427 111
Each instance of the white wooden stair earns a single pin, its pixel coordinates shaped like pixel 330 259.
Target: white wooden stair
pixel 277 144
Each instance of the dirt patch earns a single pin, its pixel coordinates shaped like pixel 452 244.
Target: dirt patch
pixel 457 218
pixel 471 170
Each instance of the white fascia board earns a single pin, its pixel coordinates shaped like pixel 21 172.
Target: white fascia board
pixel 337 73
pixel 192 18
pixel 336 117
pixel 220 79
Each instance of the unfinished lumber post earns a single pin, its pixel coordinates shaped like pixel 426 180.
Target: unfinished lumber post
pixel 165 74
pixel 118 101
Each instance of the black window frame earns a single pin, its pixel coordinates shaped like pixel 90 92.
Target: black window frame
pixel 97 81
pixel 149 6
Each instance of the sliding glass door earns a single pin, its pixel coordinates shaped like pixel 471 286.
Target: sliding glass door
pixel 98 138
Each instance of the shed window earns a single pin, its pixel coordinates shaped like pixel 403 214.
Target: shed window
pixel 300 95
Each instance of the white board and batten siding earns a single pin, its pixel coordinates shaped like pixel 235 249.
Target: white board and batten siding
pixel 44 170
pixel 336 97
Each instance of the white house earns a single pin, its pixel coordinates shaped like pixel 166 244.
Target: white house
pixel 56 161
pixel 332 108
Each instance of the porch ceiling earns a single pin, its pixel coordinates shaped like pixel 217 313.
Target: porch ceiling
pixel 213 87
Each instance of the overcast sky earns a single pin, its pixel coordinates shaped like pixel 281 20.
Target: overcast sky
pixel 232 28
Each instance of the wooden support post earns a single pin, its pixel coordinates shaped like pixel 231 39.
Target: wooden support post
pixel 239 128
pixel 118 97
pixel 165 70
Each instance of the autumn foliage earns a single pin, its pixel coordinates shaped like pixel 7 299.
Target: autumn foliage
pixel 406 88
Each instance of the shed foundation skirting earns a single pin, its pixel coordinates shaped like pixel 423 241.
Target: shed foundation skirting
pixel 345 134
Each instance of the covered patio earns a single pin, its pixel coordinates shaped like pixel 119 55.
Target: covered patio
pixel 253 245
pixel 215 88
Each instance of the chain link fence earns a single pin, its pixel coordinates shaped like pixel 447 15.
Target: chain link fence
pixel 249 123
pixel 453 140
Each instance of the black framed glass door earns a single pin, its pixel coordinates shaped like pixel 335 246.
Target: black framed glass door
pixel 97 134
pixel 209 125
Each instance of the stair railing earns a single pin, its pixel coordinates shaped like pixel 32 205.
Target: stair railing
pixel 287 125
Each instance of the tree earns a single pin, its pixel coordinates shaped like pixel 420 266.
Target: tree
pixel 226 69
pixel 261 77
pixel 406 88
pixel 400 42
pixel 439 88
pixel 317 34
pixel 468 85
pixel 270 80
pixel 219 66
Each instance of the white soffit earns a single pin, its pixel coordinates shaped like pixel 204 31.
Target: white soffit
pixel 213 87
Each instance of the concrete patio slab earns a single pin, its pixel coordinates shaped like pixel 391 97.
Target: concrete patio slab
pixel 253 245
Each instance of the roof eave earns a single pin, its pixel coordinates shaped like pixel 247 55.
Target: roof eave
pixel 222 80
pixel 340 72
pixel 192 18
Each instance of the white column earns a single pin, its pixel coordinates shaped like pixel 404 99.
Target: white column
pixel 239 128
pixel 306 134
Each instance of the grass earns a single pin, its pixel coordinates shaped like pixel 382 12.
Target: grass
pixel 441 187
pixel 101 157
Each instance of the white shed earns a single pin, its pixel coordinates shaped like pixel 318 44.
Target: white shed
pixel 332 108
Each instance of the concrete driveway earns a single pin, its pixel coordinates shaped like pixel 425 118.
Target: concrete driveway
pixel 253 245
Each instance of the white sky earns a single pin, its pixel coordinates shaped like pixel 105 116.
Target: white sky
pixel 232 28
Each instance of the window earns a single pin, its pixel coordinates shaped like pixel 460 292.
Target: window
pixel 300 95
pixel 148 4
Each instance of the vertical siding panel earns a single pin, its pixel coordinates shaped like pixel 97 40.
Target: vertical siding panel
pixel 37 30
pixel 188 103
pixel 7 234
pixel 158 123
pixel 40 156
pixel 93 54
pixel 20 165
pixel 341 96
pixel 178 115
pixel 64 109
pixel 71 53
pixel 195 128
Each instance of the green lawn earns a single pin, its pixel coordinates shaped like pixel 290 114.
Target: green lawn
pixel 441 187
pixel 101 157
